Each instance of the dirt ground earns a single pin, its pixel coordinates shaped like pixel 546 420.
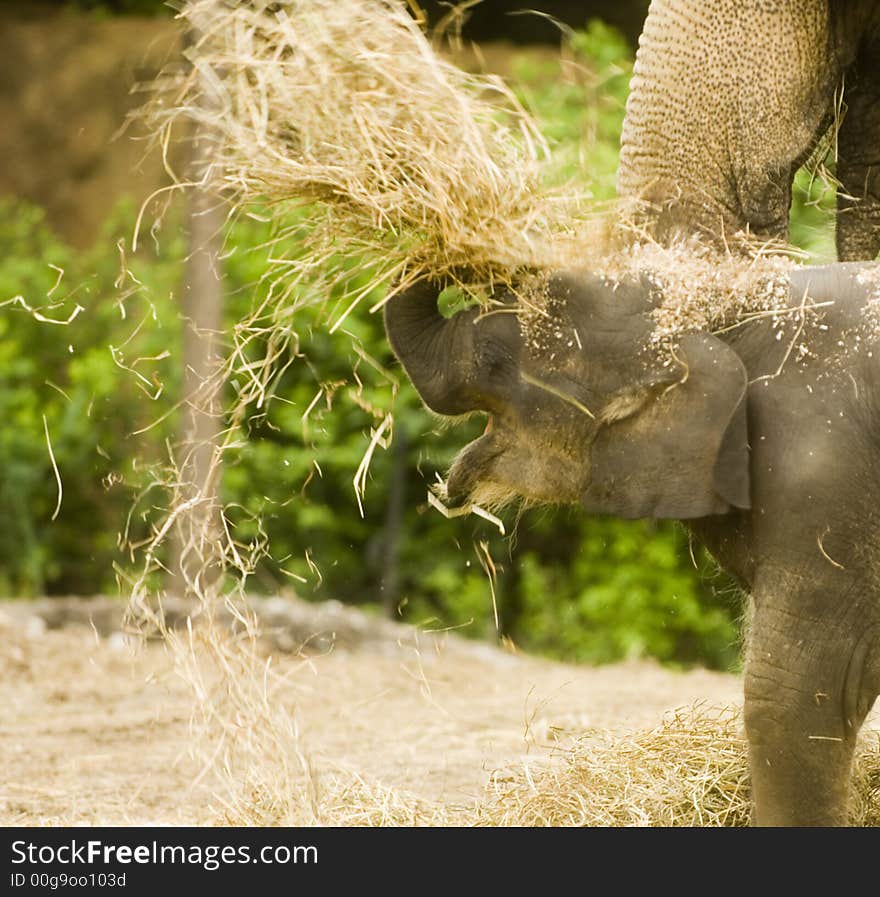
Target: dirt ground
pixel 94 733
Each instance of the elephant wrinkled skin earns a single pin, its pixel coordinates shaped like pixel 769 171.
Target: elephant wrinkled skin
pixel 730 97
pixel 765 439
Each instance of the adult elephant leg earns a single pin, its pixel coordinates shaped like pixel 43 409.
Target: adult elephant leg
pixel 811 677
pixel 858 165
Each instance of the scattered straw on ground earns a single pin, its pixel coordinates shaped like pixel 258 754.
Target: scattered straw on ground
pixel 389 733
pixel 691 770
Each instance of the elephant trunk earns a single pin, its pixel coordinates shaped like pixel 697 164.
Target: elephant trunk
pixel 437 353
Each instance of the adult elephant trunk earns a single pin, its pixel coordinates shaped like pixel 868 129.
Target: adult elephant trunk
pixel 438 354
pixel 726 99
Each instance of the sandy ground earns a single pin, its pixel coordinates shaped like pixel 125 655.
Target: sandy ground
pixel 92 733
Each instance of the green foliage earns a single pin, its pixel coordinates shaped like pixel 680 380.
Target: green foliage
pixel 294 472
pixel 812 215
pixel 580 103
pixel 625 592
pixel 71 376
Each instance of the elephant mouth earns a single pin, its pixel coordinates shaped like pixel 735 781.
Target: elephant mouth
pixel 473 466
pixel 501 467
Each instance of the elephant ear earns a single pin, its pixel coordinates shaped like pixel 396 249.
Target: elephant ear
pixel 684 452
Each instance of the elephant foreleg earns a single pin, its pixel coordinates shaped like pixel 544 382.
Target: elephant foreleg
pixel 809 683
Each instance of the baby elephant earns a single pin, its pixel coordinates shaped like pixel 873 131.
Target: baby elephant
pixel 764 437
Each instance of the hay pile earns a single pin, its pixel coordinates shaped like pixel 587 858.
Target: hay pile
pixel 395 156
pixel 691 770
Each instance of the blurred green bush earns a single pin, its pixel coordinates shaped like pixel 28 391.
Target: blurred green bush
pixel 64 386
pixel 565 585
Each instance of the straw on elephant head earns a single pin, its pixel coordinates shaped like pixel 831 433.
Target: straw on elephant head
pixel 401 157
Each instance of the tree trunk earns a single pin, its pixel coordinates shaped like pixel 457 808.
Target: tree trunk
pixel 193 564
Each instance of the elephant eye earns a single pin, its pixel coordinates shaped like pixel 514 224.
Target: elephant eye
pixel 624 405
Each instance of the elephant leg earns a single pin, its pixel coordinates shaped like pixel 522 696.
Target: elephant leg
pixel 858 166
pixel 810 680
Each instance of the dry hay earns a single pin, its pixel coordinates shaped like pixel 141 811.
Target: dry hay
pixel 691 770
pixel 341 798
pixel 705 288
pixel 697 287
pixel 393 155
pixel 337 119
pixel 340 116
pixel 342 122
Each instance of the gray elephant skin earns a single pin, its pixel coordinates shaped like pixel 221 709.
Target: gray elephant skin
pixel 730 97
pixel 769 452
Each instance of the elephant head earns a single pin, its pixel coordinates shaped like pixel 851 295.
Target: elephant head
pixel 582 408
